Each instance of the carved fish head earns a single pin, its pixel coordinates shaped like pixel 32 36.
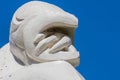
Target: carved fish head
pixel 42 32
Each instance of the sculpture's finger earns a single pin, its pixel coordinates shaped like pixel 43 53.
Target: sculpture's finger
pixel 45 43
pixel 47 34
pixel 63 43
pixel 38 38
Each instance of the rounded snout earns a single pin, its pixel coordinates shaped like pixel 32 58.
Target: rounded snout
pixel 31 26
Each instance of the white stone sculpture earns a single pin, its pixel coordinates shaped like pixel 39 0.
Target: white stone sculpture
pixel 41 45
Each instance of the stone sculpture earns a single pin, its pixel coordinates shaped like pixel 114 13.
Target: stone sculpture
pixel 41 45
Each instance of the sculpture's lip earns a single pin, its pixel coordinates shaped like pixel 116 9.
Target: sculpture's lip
pixel 73 61
pixel 67 28
pixel 59 25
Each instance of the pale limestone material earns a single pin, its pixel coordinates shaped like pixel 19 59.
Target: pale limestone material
pixel 42 32
pixel 57 70
pixel 41 40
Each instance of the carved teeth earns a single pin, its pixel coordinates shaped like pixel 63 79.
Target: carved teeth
pixel 48 33
pixel 60 45
pixel 72 49
pixel 44 44
pixel 59 35
pixel 38 38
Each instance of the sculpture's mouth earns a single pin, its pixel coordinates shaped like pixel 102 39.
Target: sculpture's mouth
pixel 55 43
pixel 55 39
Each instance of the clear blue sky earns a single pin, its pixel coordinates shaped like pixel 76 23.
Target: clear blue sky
pixel 97 38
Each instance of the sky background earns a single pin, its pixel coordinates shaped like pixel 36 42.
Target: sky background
pixel 97 37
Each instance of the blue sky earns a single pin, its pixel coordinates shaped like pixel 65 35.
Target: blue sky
pixel 97 37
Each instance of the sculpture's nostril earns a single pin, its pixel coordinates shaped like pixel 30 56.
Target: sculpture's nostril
pixel 18 19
